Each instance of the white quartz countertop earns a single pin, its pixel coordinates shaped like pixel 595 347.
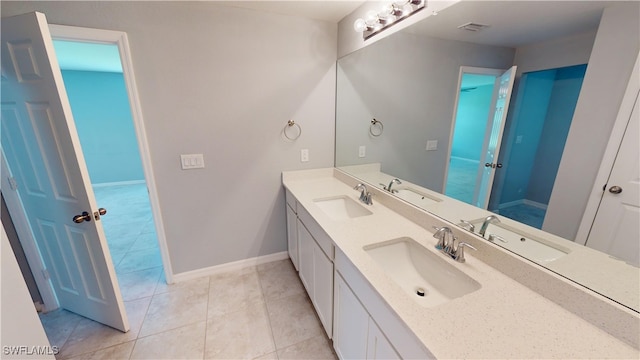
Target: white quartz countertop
pixel 503 319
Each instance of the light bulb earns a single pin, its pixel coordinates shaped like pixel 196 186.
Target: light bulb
pixel 360 25
pixel 407 9
pixel 372 18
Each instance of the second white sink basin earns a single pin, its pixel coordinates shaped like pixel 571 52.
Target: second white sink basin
pixel 531 247
pixel 341 208
pixel 416 197
pixel 420 271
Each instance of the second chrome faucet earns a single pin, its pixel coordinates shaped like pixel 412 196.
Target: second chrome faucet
pixel 447 244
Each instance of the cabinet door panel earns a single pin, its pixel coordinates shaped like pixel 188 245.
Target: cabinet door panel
pixel 378 347
pixel 292 236
pixel 323 288
pixel 350 323
pixel 305 259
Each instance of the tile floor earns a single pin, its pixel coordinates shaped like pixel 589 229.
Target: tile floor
pixel 526 214
pixel 257 312
pixel 461 180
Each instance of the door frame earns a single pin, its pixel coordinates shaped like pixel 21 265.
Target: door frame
pixel 466 70
pixel 120 39
pixel 631 95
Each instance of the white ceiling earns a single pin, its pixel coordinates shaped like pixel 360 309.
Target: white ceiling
pixel 513 23
pixel 87 56
pixel 326 10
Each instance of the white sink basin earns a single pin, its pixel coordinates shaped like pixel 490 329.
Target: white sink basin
pixel 415 268
pixel 416 197
pixel 341 208
pixel 526 245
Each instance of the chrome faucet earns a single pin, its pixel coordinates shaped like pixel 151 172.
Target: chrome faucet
pixel 447 244
pixel 491 219
pixel 365 196
pixel 388 187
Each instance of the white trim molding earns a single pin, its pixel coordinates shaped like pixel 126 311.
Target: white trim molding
pixel 119 38
pixel 232 266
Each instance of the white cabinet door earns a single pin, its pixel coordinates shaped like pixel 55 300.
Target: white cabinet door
pixel 378 347
pixel 292 236
pixel 323 288
pixel 305 260
pixel 351 321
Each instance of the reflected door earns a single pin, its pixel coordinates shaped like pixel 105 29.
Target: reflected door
pixel 616 228
pixel 493 138
pixel 43 152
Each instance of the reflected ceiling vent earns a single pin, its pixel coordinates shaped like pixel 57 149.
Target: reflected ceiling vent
pixel 473 27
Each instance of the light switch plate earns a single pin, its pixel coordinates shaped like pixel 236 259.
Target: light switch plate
pixel 304 155
pixel 432 145
pixel 362 151
pixel 192 161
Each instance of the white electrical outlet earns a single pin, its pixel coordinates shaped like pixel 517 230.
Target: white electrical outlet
pixel 362 151
pixel 432 145
pixel 192 161
pixel 304 155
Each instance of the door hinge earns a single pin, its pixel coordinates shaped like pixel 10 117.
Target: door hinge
pixel 46 274
pixel 13 184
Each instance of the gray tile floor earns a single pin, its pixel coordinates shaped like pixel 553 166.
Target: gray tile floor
pixel 257 312
pixel 461 180
pixel 526 214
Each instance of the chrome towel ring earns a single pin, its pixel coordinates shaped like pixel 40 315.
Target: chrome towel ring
pixel 376 124
pixel 287 128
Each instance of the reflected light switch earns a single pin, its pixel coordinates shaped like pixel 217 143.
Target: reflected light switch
pixel 192 161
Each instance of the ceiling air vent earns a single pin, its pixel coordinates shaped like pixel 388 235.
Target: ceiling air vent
pixel 471 26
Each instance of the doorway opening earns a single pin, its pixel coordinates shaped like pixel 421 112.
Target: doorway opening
pixel 476 133
pixel 474 105
pixel 96 89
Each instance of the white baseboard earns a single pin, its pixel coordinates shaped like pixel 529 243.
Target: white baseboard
pixel 523 201
pixel 119 183
pixel 535 204
pixel 235 265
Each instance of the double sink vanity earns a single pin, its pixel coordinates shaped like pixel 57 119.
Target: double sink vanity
pixel 382 289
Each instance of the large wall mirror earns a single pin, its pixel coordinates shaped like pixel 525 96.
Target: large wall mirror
pixel 497 117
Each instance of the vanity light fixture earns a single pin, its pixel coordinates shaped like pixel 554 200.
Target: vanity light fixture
pixel 398 10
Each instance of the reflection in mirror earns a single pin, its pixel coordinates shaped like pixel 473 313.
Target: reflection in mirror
pixel 442 133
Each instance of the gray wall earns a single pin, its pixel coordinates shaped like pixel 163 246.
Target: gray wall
pixel 614 53
pixel 409 83
pixel 221 81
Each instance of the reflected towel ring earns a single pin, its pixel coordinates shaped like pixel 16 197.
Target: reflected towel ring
pixel 290 124
pixel 375 122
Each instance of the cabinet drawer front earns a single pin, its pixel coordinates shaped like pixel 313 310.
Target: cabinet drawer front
pixel 291 200
pixel 316 231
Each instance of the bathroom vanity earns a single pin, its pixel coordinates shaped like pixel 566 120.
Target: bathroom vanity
pixel 382 290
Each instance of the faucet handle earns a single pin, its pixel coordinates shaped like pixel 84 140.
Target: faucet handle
pixel 493 237
pixel 464 223
pixel 459 253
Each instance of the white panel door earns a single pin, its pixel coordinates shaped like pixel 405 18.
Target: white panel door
pixel 616 228
pixel 42 148
pixel 493 138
